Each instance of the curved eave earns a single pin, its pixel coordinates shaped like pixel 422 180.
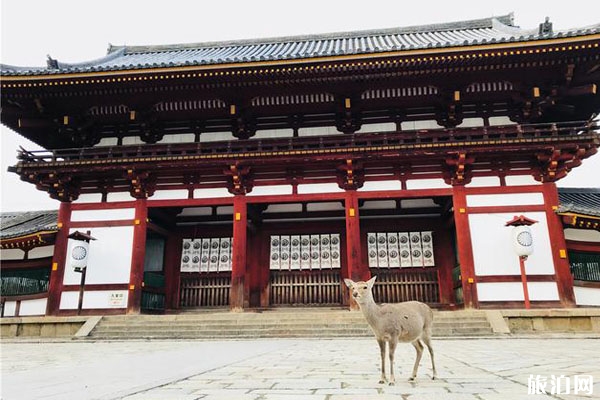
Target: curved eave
pixel 29 241
pixel 307 64
pixel 580 221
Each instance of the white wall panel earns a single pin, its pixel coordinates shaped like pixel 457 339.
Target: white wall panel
pixel 33 307
pixel 319 188
pixel 109 258
pixel 273 133
pixel 119 196
pixel 69 300
pixel 426 184
pixel 181 138
pixel 587 296
pixel 103 215
pixel 582 235
pixel 381 185
pixel 11 254
pixel 543 291
pixel 509 199
pixel 500 291
pixel 385 127
pixel 9 308
pixel 209 193
pixel 105 299
pixel 41 252
pixel 270 190
pixel 484 181
pixel 521 180
pixel 89 198
pixel 493 252
pixel 170 194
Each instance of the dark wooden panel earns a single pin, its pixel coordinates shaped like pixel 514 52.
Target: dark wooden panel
pixel 322 287
pixel 209 290
pixel 398 285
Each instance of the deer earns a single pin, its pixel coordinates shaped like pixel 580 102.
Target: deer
pixel 407 322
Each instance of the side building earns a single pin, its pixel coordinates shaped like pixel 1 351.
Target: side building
pixel 260 173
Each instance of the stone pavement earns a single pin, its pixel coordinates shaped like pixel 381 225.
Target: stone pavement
pixel 468 369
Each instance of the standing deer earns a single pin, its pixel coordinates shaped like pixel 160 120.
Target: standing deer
pixel 392 323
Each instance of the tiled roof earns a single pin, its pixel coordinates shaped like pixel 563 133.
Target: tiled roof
pixel 464 33
pixel 17 224
pixel 579 201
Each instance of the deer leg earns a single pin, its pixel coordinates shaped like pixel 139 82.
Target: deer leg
pixel 381 342
pixel 427 341
pixel 393 342
pixel 419 347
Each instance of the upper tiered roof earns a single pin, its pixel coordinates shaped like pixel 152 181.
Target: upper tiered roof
pixel 311 47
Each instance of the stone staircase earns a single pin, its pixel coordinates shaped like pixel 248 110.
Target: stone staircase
pixel 279 323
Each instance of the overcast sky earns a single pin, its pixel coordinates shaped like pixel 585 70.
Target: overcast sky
pixel 79 30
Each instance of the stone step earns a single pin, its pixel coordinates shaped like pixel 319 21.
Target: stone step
pixel 262 324
pixel 325 323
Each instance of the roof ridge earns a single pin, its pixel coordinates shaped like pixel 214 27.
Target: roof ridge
pixel 489 22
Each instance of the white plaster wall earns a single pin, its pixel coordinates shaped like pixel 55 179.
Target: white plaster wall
pixel 493 252
pixel 196 211
pixel 216 136
pixel 582 235
pixel 103 215
pixel 275 208
pixel 500 291
pixel 381 185
pixel 273 133
pixel 180 138
pixel 270 190
pixel 319 131
pixel 417 203
pixel 89 198
pixel 210 193
pixel 543 291
pixel 41 252
pixel 170 194
pixel 327 206
pixel 379 205
pixel 9 308
pixel 107 142
pixel 119 196
pixel 500 121
pixel 510 199
pixel 587 296
pixel 484 181
pixel 102 299
pixel 319 188
pixel 109 257
pixel 386 127
pixel 69 300
pixel 471 122
pixel 33 307
pixel 426 184
pixel 520 180
pixel 414 125
pixel 11 254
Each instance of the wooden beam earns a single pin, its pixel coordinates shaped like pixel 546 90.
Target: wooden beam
pixel 59 259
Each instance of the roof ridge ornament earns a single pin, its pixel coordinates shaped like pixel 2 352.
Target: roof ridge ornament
pixel 546 27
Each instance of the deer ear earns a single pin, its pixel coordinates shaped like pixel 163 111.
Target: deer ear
pixel 349 283
pixel 371 282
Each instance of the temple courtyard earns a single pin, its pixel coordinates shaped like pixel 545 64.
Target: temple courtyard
pixel 313 369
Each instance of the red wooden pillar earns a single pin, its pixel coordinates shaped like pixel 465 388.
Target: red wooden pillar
pixel 58 259
pixel 445 261
pixel 465 247
pixel 172 272
pixel 136 276
pixel 238 257
pixel 558 245
pixel 356 270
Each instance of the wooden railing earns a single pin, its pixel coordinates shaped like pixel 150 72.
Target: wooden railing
pixel 397 285
pixel 206 290
pixel 253 147
pixel 321 287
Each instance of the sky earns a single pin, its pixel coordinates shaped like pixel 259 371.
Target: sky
pixel 81 30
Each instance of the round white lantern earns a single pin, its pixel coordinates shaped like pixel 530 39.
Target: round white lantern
pixel 522 240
